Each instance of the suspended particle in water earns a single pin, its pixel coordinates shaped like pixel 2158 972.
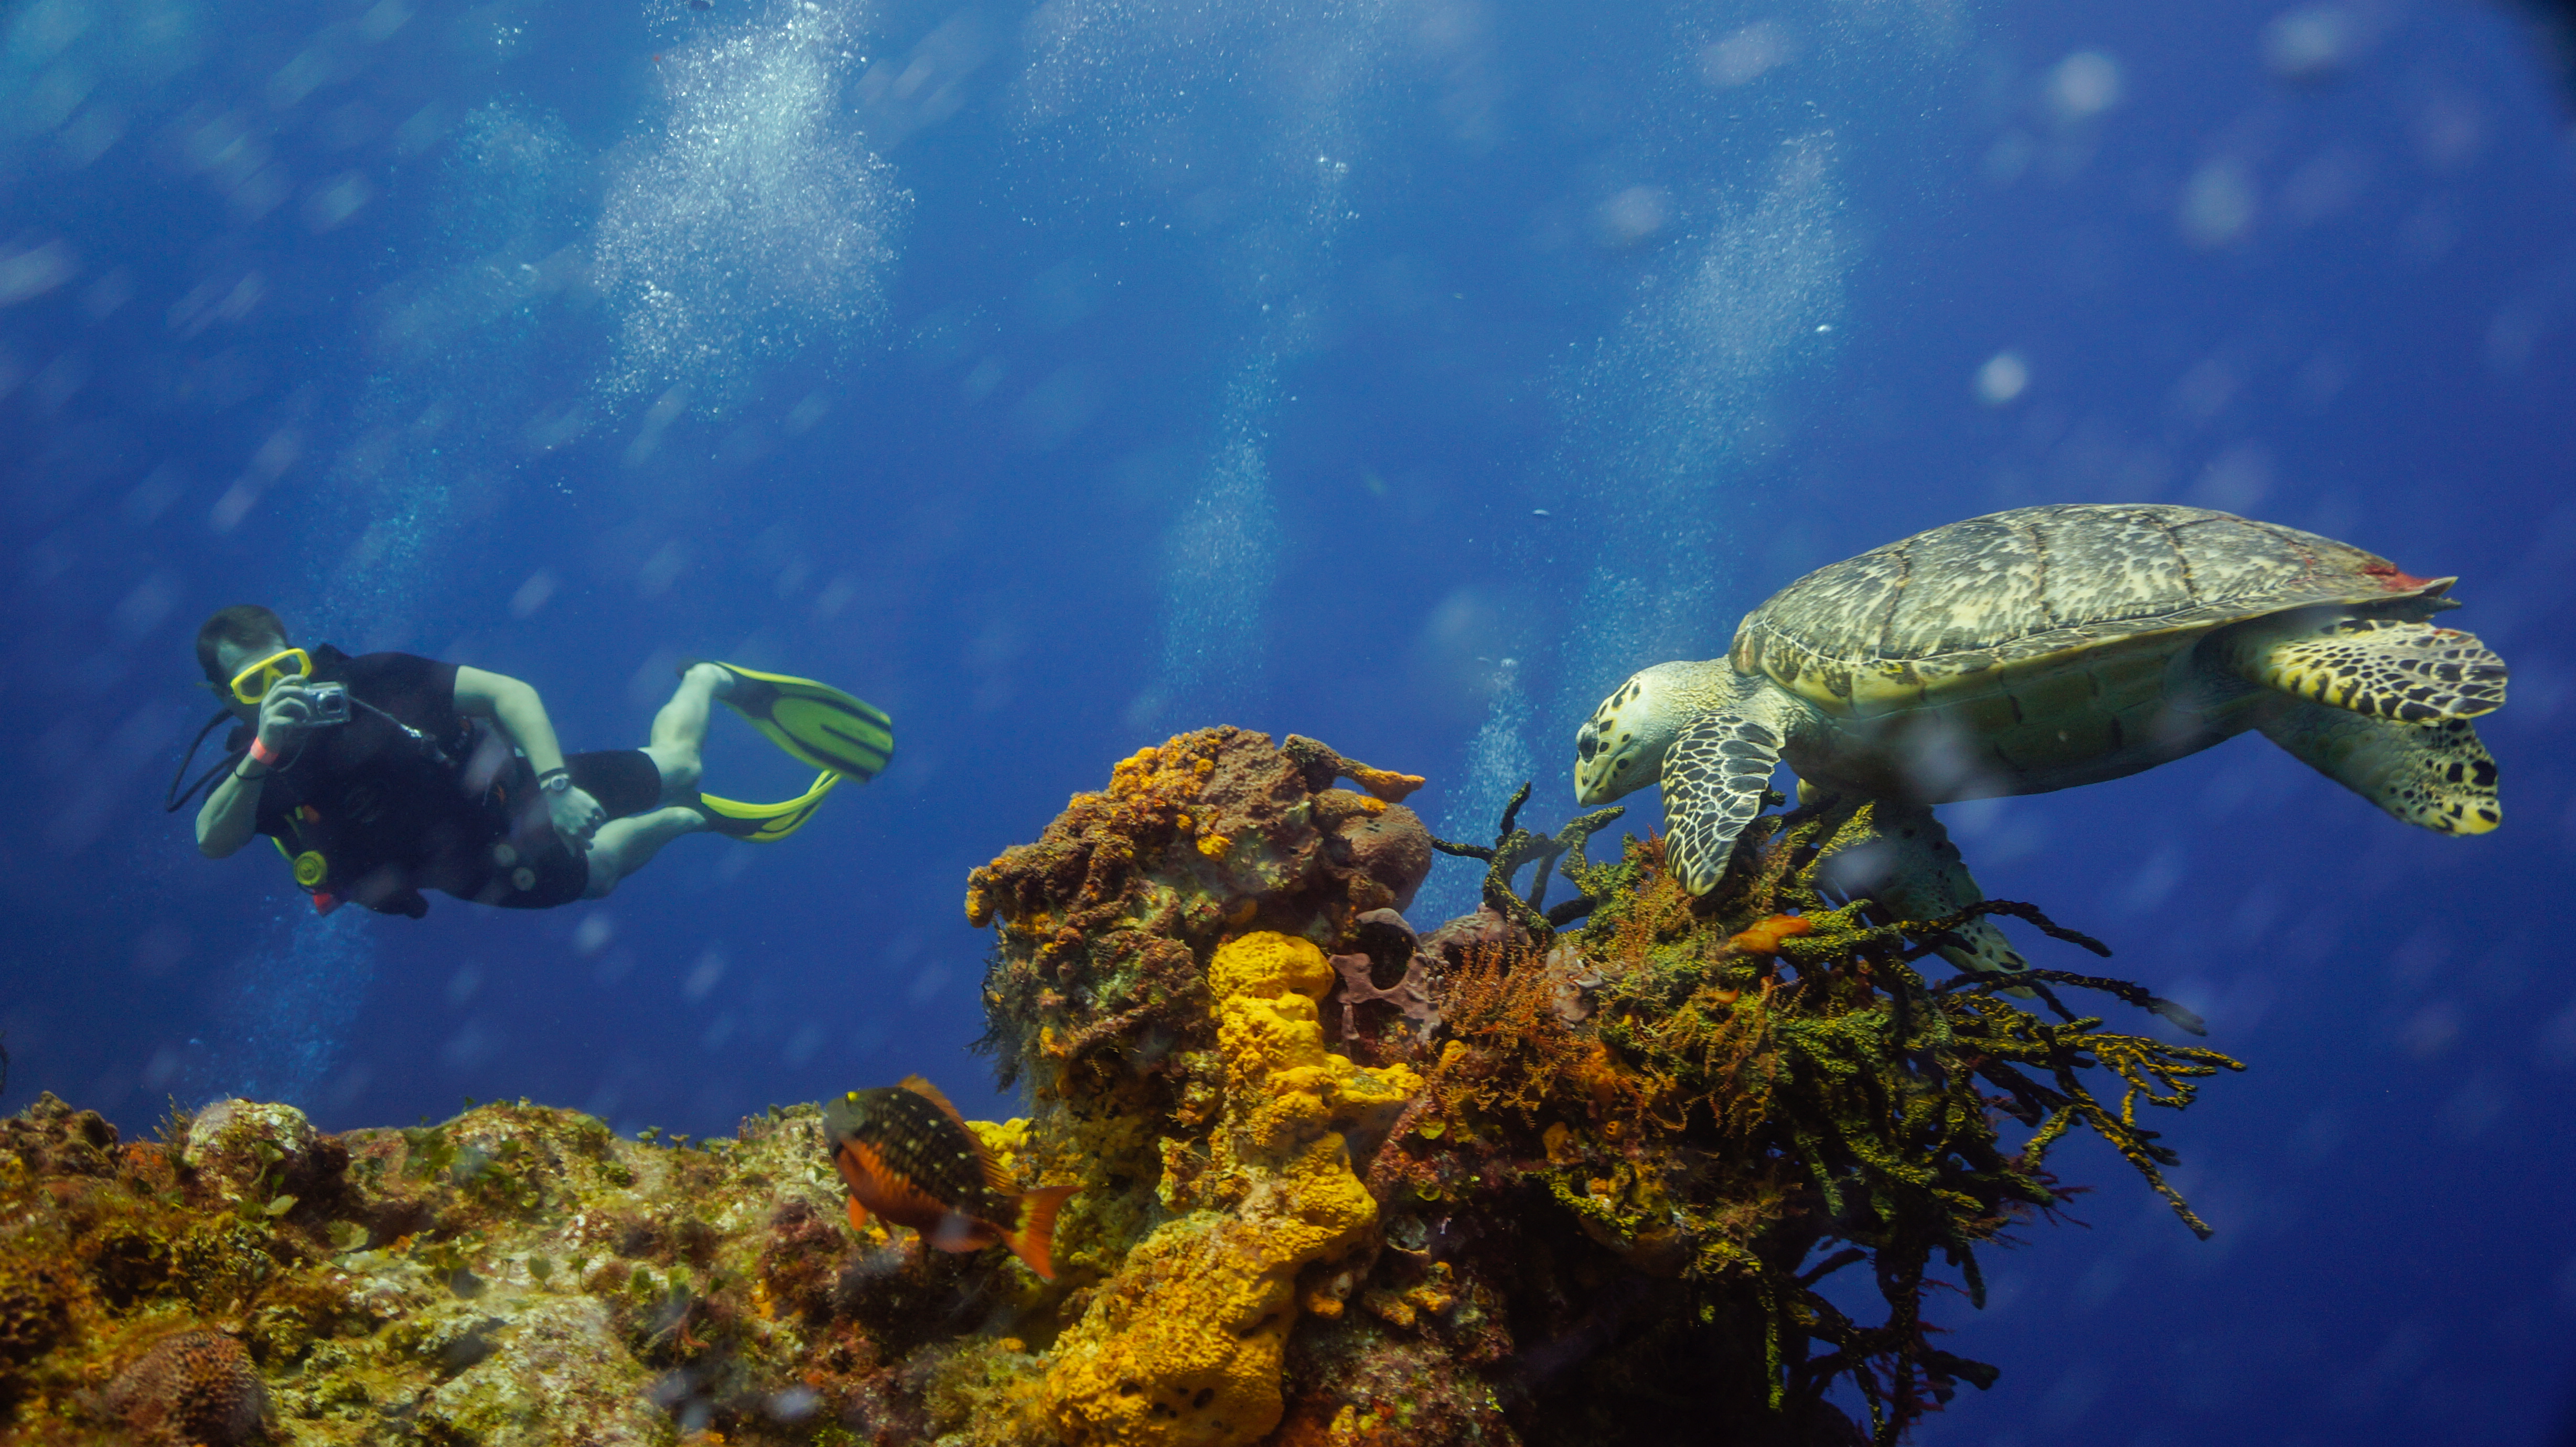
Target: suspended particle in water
pixel 2218 203
pixel 2083 86
pixel 1745 55
pixel 2312 43
pixel 2003 378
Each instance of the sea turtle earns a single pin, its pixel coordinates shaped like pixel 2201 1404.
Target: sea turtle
pixel 2045 647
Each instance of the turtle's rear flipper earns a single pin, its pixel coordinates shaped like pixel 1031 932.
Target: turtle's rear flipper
pixel 1714 776
pixel 2434 774
pixel 1913 871
pixel 2410 672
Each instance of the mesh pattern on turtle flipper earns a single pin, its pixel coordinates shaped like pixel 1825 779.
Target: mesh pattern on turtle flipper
pixel 2450 785
pixel 1714 776
pixel 2408 672
pixel 2437 775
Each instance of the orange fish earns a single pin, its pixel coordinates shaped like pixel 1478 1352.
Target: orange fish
pixel 906 1154
pixel 1765 937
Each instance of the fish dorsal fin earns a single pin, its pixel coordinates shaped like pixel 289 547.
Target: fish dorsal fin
pixel 930 1092
pixel 995 1178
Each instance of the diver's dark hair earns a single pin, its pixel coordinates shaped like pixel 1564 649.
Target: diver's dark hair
pixel 243 625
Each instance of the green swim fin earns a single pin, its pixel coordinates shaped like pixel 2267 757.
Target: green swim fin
pixel 766 823
pixel 813 722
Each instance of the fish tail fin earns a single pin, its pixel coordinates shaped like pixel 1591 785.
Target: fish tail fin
pixel 1034 1241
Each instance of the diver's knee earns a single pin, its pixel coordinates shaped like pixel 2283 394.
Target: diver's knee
pixel 679 768
pixel 606 861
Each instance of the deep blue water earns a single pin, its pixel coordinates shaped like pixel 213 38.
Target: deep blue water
pixel 1060 378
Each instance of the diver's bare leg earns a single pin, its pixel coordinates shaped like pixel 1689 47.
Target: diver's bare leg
pixel 623 846
pixel 680 728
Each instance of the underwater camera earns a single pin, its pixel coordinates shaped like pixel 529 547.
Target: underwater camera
pixel 330 704
pixel 329 708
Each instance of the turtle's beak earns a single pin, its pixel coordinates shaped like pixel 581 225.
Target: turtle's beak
pixel 1596 770
pixel 1614 772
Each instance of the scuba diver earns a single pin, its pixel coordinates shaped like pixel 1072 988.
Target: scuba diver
pixel 383 775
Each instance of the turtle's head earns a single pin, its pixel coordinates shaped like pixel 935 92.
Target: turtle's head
pixel 1620 749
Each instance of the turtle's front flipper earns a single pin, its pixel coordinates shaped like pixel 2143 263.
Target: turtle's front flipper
pixel 1912 870
pixel 2408 672
pixel 2437 775
pixel 1714 775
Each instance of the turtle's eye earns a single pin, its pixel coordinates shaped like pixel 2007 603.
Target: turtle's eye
pixel 1587 743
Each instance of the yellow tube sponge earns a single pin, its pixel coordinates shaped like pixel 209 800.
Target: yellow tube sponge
pixel 1181 1348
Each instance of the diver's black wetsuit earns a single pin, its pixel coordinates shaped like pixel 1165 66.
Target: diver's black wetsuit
pixel 457 810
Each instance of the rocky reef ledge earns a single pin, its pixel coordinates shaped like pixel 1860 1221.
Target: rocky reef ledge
pixel 1597 1173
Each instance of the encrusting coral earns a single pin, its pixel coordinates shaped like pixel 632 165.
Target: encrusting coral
pixel 1569 1175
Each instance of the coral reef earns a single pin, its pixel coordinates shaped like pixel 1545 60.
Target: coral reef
pixel 515 1275
pixel 1641 1149
pixel 1599 1172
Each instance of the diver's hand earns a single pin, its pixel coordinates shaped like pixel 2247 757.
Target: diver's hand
pixel 285 715
pixel 576 816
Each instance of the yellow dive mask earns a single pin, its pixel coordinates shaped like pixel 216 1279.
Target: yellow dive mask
pixel 253 683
